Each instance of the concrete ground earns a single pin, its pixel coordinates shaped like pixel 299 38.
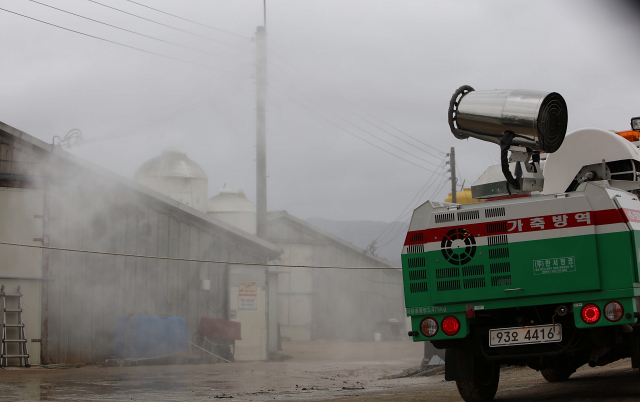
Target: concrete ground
pixel 317 371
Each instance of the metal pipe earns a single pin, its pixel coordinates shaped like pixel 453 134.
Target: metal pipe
pixel 213 354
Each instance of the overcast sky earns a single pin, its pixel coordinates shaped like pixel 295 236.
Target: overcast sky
pixel 378 69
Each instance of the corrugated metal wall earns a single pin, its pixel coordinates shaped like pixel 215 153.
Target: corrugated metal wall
pixel 341 304
pixel 89 208
pixel 89 291
pixel 362 301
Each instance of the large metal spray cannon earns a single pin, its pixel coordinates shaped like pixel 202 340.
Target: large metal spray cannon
pixel 525 122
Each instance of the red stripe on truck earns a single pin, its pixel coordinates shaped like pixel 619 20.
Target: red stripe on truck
pixel 531 224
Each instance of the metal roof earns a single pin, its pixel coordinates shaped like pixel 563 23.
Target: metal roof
pixel 230 200
pixel 207 222
pixel 276 215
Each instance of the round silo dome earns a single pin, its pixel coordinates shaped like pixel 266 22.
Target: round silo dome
pixel 233 207
pixel 175 175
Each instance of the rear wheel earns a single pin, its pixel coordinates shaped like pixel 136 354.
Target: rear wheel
pixel 477 377
pixel 556 374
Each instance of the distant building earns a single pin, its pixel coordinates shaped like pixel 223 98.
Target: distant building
pixel 233 207
pixel 175 175
pixel 347 304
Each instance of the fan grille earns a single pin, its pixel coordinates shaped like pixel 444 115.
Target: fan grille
pixel 552 122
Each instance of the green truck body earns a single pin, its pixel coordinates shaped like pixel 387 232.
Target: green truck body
pixel 527 262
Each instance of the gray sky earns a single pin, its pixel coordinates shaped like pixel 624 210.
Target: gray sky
pixel 358 64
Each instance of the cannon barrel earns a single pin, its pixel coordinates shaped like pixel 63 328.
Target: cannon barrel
pixel 538 119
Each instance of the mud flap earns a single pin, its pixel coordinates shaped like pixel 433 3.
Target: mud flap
pixel 635 349
pixel 450 365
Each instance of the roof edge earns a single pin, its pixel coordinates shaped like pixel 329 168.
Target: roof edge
pixel 275 215
pixel 273 251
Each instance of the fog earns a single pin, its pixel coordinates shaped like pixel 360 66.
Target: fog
pixel 356 131
pixel 356 65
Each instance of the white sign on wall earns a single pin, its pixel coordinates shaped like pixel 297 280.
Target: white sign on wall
pixel 248 295
pixel 247 302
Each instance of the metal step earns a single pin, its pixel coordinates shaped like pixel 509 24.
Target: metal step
pixel 22 353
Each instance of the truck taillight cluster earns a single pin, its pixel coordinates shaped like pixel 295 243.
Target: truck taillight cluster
pixel 429 326
pixel 613 311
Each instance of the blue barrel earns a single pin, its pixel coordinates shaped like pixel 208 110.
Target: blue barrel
pixel 142 336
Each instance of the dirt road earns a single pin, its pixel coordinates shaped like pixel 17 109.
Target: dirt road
pixel 317 371
pixel 616 382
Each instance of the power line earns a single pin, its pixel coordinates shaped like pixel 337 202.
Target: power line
pixel 353 134
pixel 154 257
pixel 377 118
pixel 159 23
pixel 408 135
pixel 201 97
pixel 110 41
pixel 402 213
pixel 127 30
pixel 438 189
pixel 175 113
pixel 382 129
pixel 386 142
pixel 389 229
pixel 395 136
pixel 378 138
pixel 185 19
pixel 411 209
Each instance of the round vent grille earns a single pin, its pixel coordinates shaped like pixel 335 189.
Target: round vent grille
pixel 458 246
pixel 552 122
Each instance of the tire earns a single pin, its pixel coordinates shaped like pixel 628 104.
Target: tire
pixel 477 378
pixel 556 374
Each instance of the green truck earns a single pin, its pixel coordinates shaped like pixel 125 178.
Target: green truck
pixel 544 273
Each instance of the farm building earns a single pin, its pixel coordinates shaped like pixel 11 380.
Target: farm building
pixel 344 304
pixel 72 299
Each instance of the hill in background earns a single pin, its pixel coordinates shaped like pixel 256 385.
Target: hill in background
pixel 362 233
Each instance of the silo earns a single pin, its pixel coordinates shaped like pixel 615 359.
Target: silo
pixel 175 175
pixel 233 207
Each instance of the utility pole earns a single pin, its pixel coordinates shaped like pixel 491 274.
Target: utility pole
pixel 261 180
pixel 452 165
pixel 261 128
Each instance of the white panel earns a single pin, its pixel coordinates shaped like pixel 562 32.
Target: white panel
pixel 580 148
pixel 18 225
pixel 253 345
pixel 300 310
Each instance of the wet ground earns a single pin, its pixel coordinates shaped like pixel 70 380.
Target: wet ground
pixel 317 371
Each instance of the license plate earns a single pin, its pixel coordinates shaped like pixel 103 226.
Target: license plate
pixel 525 335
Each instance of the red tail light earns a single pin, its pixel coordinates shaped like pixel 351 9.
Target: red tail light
pixel 450 325
pixel 590 313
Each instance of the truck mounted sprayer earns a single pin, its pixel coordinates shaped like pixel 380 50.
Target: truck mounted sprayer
pixel 546 272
